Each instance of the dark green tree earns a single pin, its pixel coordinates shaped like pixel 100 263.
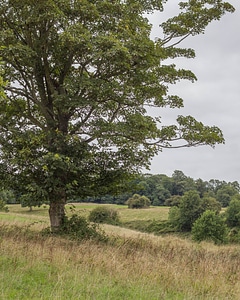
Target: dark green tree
pixel 225 194
pixel 160 195
pixel 210 203
pixel 189 209
pixel 156 187
pixel 214 185
pixel 233 212
pixel 81 75
pixel 182 183
pixel 173 200
pixel 8 196
pixel 201 187
pixel 210 226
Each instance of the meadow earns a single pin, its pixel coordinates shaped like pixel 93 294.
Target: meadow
pixel 132 265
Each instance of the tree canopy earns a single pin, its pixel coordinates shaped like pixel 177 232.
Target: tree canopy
pixel 81 76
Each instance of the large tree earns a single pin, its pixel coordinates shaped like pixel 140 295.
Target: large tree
pixel 81 76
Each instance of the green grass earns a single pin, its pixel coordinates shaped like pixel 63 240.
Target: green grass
pixel 42 280
pixel 136 219
pixel 134 267
pixel 126 215
pixel 131 266
pixel 152 213
pixel 21 216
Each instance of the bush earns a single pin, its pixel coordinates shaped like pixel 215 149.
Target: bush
pixel 3 206
pixel 234 235
pixel 210 203
pixel 78 228
pixel 173 200
pixel 210 226
pixel 174 217
pixel 137 201
pixel 233 213
pixel 103 214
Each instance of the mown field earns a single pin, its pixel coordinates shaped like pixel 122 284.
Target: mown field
pixel 132 265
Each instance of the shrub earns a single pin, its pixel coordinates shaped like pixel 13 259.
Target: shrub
pixel 78 228
pixel 234 235
pixel 174 217
pixel 210 203
pixel 3 206
pixel 173 200
pixel 225 194
pixel 103 214
pixel 137 201
pixel 210 226
pixel 233 213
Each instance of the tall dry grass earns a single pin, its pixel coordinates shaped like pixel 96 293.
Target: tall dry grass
pixel 130 266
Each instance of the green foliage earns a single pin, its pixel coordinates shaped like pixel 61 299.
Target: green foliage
pixel 210 203
pixel 138 225
pixel 182 183
pixel 8 196
pixel 173 200
pixel 103 214
pixel 79 78
pixel 210 226
pixel 156 187
pixel 31 200
pixel 187 212
pixel 150 226
pixel 159 227
pixel 161 194
pixel 2 83
pixel 3 206
pixel 189 209
pixel 234 235
pixel 165 190
pixel 233 212
pixel 225 194
pixel 137 201
pixel 174 217
pixel 202 187
pixel 78 228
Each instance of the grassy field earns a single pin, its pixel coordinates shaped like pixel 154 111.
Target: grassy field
pixel 126 215
pixel 132 265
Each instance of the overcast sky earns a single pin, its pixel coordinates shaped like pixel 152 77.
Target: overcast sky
pixel 214 99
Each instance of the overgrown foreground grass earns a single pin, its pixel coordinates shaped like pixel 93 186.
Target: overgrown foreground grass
pixel 130 266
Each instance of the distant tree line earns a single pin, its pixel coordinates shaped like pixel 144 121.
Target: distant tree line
pixel 160 189
pixel 168 190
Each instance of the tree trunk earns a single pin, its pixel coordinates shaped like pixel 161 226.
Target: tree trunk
pixel 57 214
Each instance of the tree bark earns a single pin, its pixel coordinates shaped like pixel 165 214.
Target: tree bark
pixel 57 214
